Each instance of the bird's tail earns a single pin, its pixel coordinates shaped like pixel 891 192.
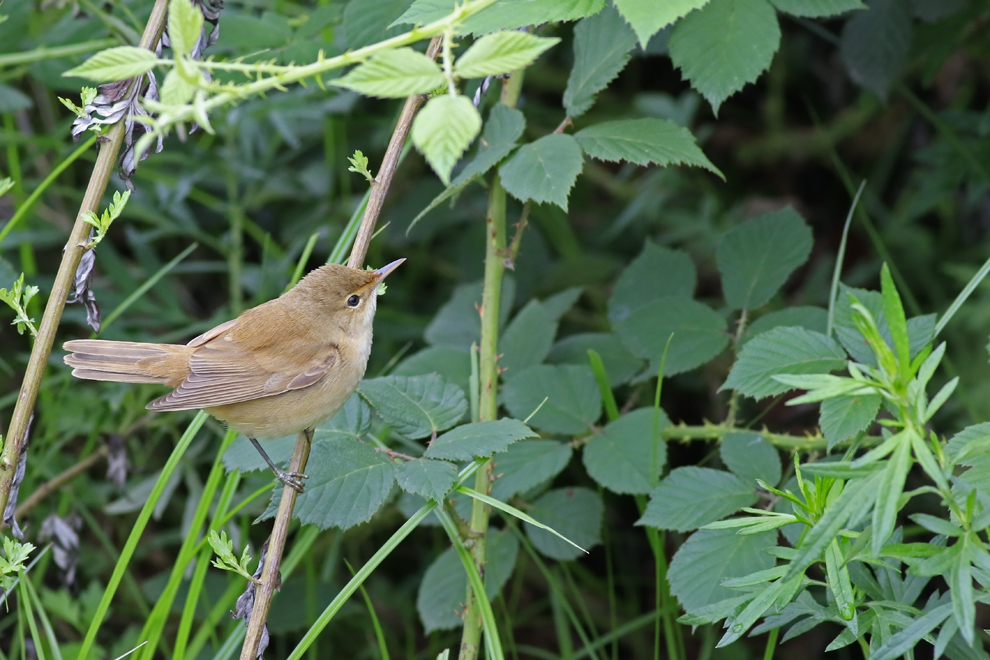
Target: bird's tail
pixel 127 361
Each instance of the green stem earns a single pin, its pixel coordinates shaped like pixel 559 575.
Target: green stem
pixel 44 53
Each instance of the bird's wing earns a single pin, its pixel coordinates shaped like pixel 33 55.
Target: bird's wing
pixel 222 372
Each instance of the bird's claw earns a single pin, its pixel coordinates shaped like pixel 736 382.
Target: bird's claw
pixel 292 479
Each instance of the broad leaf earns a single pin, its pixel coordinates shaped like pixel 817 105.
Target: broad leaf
pixel 920 328
pixel 875 44
pixel 501 52
pixel 709 558
pixel 785 350
pixel 817 8
pixel 625 458
pixel 620 364
pixel 690 497
pixel 809 318
pixel 457 323
pixel 647 16
pixel 503 15
pixel 528 464
pixel 394 74
pixel 644 142
pixel 504 126
pixel 415 406
pixel 544 170
pixel 527 339
pixel 757 257
pixel 843 417
pixel 698 333
pixel 573 398
pixel 427 477
pixel 751 457
pixel 724 46
pixel 452 364
pixel 443 130
pixel 441 592
pixel 185 25
pixel 480 439
pixel 657 272
pixel 575 513
pixel 601 50
pixel 118 63
pixel 368 22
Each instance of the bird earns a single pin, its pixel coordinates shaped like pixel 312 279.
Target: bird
pixel 277 369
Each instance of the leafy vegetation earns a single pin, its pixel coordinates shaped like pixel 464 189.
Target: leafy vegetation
pixel 656 378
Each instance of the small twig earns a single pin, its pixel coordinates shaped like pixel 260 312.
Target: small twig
pixel 564 124
pixel 391 453
pixel 513 250
pixel 60 480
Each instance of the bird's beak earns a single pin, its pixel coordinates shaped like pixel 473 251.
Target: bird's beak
pixel 383 272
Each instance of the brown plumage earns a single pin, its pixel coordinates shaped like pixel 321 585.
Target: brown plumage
pixel 275 370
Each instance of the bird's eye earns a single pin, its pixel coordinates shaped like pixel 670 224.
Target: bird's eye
pixel 353 301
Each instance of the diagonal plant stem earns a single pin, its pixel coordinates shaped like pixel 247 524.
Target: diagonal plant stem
pixel 276 543
pixel 74 249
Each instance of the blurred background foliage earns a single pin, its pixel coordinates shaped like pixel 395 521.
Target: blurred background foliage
pixel 914 124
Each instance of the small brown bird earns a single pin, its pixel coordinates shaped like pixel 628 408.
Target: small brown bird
pixel 277 369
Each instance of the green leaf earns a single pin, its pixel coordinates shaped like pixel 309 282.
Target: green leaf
pixel 575 513
pixel 527 339
pixel 709 558
pixel 786 350
pixel 528 464
pixel 601 50
pixel 544 170
pixel 394 74
pixel 960 581
pixel 415 406
pixel 118 63
pixel 573 399
pixel 175 89
pixel 875 44
pixel 920 328
pixel 451 364
pixel 698 333
pixel 185 26
pixel 368 22
pixel 690 497
pixel 443 130
pixel 751 457
pixel 504 126
pixel 348 482
pixel 480 439
pixel 622 457
pixel 429 478
pixel 756 257
pixel 817 8
pixel 657 272
pixel 889 493
pixel 441 592
pixel 809 318
pixel 724 46
pixel 620 364
pixel 843 417
pixel 775 592
pixel 893 311
pixel 457 323
pixel 647 16
pixel 907 638
pixel 501 52
pixel 560 303
pixel 514 14
pixel 644 142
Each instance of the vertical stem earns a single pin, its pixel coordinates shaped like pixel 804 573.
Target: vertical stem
pixel 488 371
pixel 74 249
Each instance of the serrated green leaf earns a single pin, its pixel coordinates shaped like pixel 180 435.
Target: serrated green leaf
pixel 457 323
pixel 575 513
pixel 501 52
pixel 415 406
pixel 480 439
pixel 451 364
pixel 368 22
pixel 875 43
pixel 622 457
pixel 709 558
pixel 647 16
pixel 348 482
pixel 573 401
pixel 657 272
pixel 690 497
pixel 185 26
pixel 620 364
pixel 644 142
pixel 601 49
pixel 809 318
pixel 441 592
pixel 528 464
pixel 443 130
pixel 527 339
pixel 920 328
pixel 843 417
pixel 544 170
pixel 175 89
pixel 817 8
pixel 427 477
pixel 786 350
pixel 698 333
pixel 504 126
pixel 394 74
pixel 756 258
pixel 514 14
pixel 751 457
pixel 724 46
pixel 118 63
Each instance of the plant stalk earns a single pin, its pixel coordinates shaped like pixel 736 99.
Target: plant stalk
pixel 74 249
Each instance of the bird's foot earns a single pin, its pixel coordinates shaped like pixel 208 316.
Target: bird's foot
pixel 291 479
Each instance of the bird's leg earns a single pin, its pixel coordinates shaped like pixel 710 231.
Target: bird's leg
pixel 291 479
